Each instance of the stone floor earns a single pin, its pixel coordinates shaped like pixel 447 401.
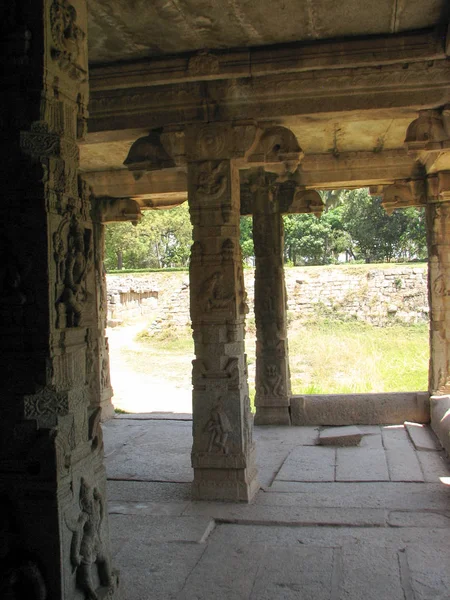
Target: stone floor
pixel 356 523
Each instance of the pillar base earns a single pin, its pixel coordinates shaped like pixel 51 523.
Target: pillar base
pixel 272 415
pixel 226 485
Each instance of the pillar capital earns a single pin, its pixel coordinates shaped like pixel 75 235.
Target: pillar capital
pixel 439 187
pixel 401 194
pixel 428 137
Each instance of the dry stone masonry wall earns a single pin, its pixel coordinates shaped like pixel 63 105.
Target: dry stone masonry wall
pixel 369 294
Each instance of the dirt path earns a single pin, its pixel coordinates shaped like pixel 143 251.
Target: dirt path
pixel 136 391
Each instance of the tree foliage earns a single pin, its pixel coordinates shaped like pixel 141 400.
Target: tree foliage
pixel 162 239
pixel 354 225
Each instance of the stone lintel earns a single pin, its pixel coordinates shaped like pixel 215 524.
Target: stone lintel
pixel 168 187
pixel 297 57
pixel 384 87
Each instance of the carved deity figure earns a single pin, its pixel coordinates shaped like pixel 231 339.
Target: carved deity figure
pixel 218 427
pixel 212 294
pixel 75 268
pixel 87 548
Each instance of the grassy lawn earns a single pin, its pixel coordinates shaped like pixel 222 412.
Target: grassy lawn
pixel 327 356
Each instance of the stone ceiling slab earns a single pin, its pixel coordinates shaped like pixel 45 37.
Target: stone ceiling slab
pixel 125 30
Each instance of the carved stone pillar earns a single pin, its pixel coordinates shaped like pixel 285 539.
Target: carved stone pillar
pixel 54 530
pixel 438 237
pixel 273 387
pixel 223 449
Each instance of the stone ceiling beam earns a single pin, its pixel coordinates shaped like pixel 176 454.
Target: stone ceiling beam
pixel 168 187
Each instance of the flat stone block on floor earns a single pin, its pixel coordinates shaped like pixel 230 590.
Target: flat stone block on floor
pixel 422 437
pixel 340 436
pixel 361 464
pixel 308 464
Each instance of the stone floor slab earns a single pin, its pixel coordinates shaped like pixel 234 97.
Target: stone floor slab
pixel 153 456
pixel 224 572
pixel 361 464
pixel 422 437
pixel 370 572
pixel 139 491
pixel 435 466
pixel 155 571
pixel 165 509
pixel 426 519
pixel 429 572
pixel 290 574
pixel 409 496
pixel 289 515
pixel 309 464
pixel 160 528
pixel 395 437
pixel 404 465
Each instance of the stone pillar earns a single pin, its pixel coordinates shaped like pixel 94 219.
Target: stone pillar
pixel 438 237
pixel 223 454
pixel 273 387
pixel 54 529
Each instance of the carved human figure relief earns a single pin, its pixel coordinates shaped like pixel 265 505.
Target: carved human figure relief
pixel 73 256
pixel 219 428
pixel 212 181
pixel 87 552
pixel 213 295
pixel 67 38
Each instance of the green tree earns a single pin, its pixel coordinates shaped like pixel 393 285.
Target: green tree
pixel 162 239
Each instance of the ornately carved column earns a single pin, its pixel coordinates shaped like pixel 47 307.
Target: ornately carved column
pixel 223 450
pixel 273 387
pixel 54 529
pixel 438 236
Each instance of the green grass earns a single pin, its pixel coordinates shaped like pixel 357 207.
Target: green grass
pixel 328 356
pixel 350 357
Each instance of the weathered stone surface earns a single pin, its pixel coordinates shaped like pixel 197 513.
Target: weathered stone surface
pixel 360 409
pixel 422 437
pixel 309 464
pixel 440 419
pixel 435 466
pixel 361 464
pixel 407 496
pixel 340 436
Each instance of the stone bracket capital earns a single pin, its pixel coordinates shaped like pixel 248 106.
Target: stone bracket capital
pixel 113 210
pixel 429 134
pixel 220 141
pixel 401 194
pixel 439 187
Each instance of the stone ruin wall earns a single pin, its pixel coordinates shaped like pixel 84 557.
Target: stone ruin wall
pixel 372 295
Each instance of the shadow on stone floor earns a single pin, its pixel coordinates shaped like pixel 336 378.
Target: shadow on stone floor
pixel 370 521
